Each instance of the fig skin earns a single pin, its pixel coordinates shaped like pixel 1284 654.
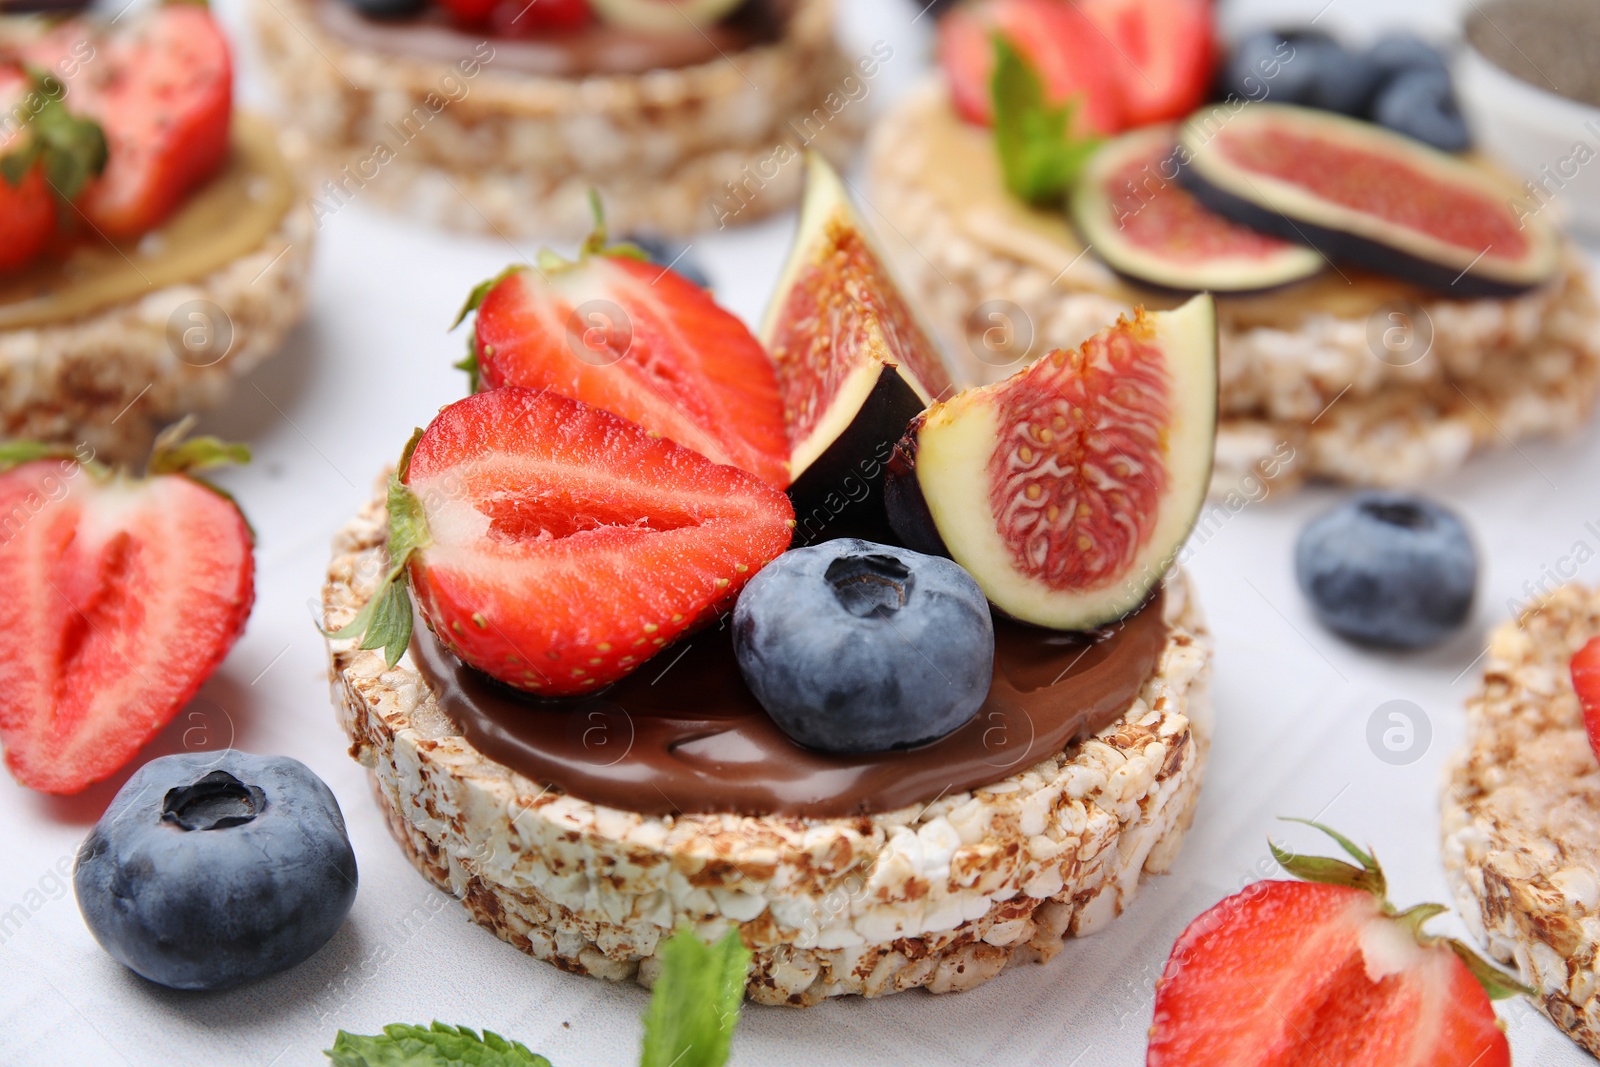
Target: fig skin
pixel 842 493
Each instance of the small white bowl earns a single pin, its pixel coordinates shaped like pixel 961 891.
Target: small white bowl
pixel 1544 138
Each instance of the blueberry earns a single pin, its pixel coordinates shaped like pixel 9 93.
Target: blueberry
pixel 1267 65
pixel 853 646
pixel 1422 104
pixel 1388 569
pixel 1397 53
pixel 1347 84
pixel 215 868
pixel 388 9
pixel 666 252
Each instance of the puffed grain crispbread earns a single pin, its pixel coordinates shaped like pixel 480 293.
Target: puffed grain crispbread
pixel 1313 397
pixel 942 896
pixel 671 151
pixel 1521 813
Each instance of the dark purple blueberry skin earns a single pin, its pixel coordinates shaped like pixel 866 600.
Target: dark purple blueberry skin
pixel 853 646
pixel 1391 570
pixel 212 869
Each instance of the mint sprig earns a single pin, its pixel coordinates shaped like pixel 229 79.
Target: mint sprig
pixel 693 1011
pixel 438 1045
pixel 1040 157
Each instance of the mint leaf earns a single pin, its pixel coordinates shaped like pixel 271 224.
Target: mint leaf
pixel 1040 156
pixel 437 1046
pixel 695 1005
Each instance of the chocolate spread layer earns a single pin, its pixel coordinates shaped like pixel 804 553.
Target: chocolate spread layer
pixel 594 49
pixel 683 734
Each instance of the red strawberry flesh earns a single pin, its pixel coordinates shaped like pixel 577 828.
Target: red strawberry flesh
pixel 568 545
pixel 161 87
pixel 122 597
pixel 1585 670
pixel 1070 56
pixel 643 343
pixel 1162 52
pixel 1289 973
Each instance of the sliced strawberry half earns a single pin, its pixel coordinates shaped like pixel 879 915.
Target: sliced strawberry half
pixel 1585 670
pixel 1162 52
pixel 642 342
pixel 122 596
pixel 1071 58
pixel 161 87
pixel 47 156
pixel 1324 971
pixel 556 546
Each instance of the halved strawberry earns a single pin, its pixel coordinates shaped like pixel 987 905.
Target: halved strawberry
pixel 1065 49
pixel 556 546
pixel 623 334
pixel 161 86
pixel 47 156
pixel 1325 970
pixel 27 217
pixel 122 595
pixel 1585 670
pixel 1162 52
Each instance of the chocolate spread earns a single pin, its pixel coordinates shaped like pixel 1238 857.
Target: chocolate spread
pixel 594 49
pixel 683 735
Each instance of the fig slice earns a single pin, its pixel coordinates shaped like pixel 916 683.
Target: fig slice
pixel 1367 196
pixel 1067 489
pixel 1130 208
pixel 855 362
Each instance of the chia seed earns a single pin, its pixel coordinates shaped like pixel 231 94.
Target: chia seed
pixel 1551 44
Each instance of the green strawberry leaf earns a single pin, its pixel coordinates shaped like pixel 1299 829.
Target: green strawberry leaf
pixel 1325 870
pixel 16 453
pixel 695 1005
pixel 1497 983
pixel 437 1046
pixel 386 621
pixel 481 290
pixel 1040 157
pixel 171 454
pixel 71 149
pixel 469 363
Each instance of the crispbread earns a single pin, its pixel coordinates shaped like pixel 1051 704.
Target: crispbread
pixel 942 896
pixel 1301 395
pixel 1521 813
pixel 111 378
pixel 672 151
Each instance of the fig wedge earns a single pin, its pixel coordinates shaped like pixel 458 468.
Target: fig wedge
pixel 1068 489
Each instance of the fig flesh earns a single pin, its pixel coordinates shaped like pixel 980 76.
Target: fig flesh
pixel 1130 208
pixel 855 364
pixel 1068 489
pixel 1366 196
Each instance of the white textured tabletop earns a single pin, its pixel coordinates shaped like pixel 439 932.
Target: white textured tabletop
pixel 373 360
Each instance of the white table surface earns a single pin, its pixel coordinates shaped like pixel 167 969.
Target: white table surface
pixel 372 360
